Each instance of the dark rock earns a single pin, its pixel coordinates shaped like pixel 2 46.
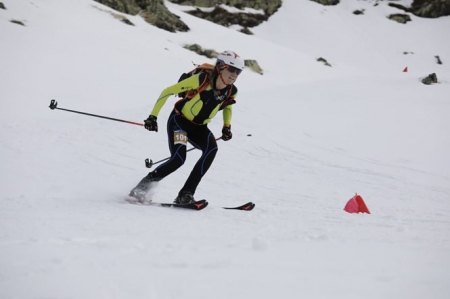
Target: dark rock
pixel 399 6
pixel 126 21
pixel 439 61
pixel 430 8
pixel 126 6
pixel 17 22
pixel 268 6
pixel 327 2
pixel 156 13
pixel 321 59
pixel 430 79
pixel 254 66
pixel 222 17
pixel 246 31
pixel 401 18
pixel 2 6
pixel 200 51
pixel 153 11
pixel 358 12
pixel 426 8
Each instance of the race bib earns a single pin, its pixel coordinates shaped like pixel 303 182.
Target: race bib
pixel 179 137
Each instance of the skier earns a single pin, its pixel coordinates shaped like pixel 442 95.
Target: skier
pixel 204 94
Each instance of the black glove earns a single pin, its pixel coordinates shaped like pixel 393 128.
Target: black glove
pixel 151 124
pixel 226 133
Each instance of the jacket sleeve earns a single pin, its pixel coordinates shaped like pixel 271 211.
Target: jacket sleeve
pixel 228 110
pixel 227 115
pixel 185 85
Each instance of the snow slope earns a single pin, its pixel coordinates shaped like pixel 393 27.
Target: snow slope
pixel 306 138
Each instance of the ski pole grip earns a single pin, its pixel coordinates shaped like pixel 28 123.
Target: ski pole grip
pixel 53 104
pixel 148 163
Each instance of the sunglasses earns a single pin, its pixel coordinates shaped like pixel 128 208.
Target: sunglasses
pixel 233 69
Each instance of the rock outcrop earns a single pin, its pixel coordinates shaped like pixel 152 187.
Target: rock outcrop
pixel 431 8
pixel 426 8
pixel 222 16
pixel 268 6
pixel 153 11
pixel 156 13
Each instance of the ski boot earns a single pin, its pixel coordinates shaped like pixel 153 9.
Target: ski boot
pixel 184 197
pixel 138 194
pixel 142 188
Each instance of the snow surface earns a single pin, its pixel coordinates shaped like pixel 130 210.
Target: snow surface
pixel 307 137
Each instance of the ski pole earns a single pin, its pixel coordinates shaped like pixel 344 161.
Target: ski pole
pixel 149 163
pixel 54 104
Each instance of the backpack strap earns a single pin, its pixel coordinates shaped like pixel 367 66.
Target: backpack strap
pixel 192 93
pixel 229 100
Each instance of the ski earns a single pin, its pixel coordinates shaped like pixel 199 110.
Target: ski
pixel 198 205
pixel 246 207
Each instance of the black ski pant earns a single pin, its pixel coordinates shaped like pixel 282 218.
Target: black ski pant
pixel 200 137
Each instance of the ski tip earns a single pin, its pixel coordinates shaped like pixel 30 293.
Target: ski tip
pixel 245 207
pixel 201 204
pixel 248 207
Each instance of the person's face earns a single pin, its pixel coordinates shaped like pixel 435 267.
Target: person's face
pixel 230 74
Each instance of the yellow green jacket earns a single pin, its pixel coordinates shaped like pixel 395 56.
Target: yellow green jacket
pixel 204 105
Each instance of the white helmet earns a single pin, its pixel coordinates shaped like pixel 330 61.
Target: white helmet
pixel 231 58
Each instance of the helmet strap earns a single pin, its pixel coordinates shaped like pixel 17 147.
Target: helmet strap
pixel 221 78
pixel 218 69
